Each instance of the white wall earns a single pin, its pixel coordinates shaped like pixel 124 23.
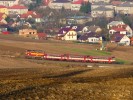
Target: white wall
pixel 93 40
pixel 125 40
pixel 67 37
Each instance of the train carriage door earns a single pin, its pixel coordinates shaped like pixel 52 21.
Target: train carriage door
pixel 84 58
pixel 109 60
pixel 91 59
pixel 45 56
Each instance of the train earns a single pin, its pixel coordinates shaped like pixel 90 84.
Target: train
pixel 39 54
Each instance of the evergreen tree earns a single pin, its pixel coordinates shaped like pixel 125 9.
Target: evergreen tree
pixel 85 7
pixel 38 2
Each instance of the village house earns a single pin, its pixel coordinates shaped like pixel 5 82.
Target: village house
pixel 121 39
pixel 8 3
pixel 94 1
pixel 115 4
pixel 17 9
pixel 102 12
pixel 75 5
pixel 32 33
pixel 90 37
pixel 58 4
pixel 125 8
pixel 94 28
pixel 101 3
pixel 78 20
pixel 67 34
pixel 3 28
pixel 117 30
pixel 31 14
pixel 114 23
pixel 3 9
pixel 129 31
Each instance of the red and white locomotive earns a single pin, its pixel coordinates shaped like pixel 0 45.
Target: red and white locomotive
pixel 69 57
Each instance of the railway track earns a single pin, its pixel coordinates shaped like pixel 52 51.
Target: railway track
pixel 73 63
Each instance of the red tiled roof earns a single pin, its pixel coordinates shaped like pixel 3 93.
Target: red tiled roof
pixel 116 2
pixel 18 7
pixel 1 6
pixel 30 13
pixel 78 2
pixel 118 29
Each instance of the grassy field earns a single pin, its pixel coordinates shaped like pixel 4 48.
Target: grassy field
pixel 25 79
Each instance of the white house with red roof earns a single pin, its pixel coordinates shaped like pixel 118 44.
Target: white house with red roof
pixel 32 14
pixel 18 9
pixel 117 30
pixel 128 29
pixel 122 29
pixel 75 5
pixel 114 23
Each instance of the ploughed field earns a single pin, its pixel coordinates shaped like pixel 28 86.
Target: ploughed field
pixel 47 82
pixel 26 79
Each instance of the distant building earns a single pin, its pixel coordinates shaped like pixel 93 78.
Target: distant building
pixel 121 39
pixel 75 5
pixel 114 23
pixel 101 3
pixel 94 28
pixel 102 12
pixel 117 30
pixel 18 9
pixel 90 37
pixel 7 3
pixel 125 8
pixel 32 14
pixel 3 28
pixel 93 1
pixel 32 33
pixel 59 4
pixel 67 34
pixel 78 19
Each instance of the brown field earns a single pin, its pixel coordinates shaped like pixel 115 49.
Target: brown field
pixel 26 79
